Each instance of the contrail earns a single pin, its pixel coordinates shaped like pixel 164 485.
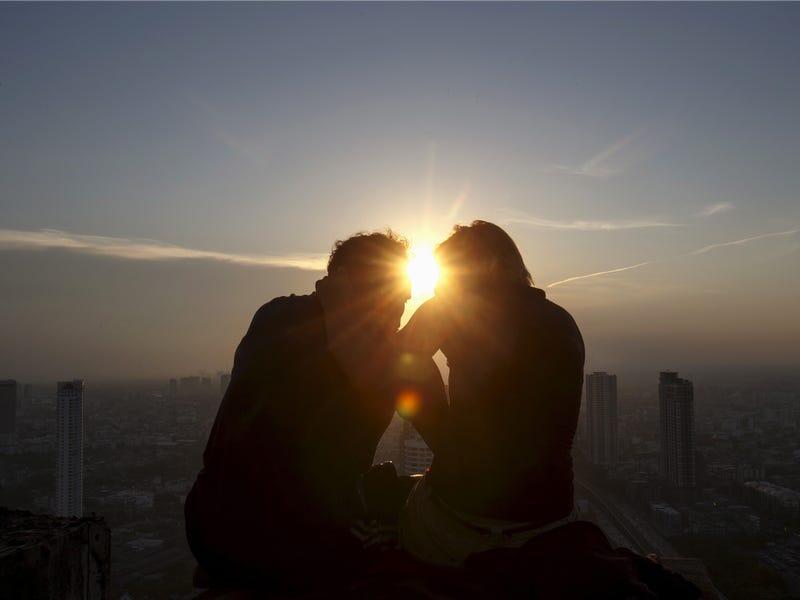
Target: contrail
pixel 144 249
pixel 568 279
pixel 702 250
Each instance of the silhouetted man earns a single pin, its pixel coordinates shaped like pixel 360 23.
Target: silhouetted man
pixel 504 472
pixel 313 388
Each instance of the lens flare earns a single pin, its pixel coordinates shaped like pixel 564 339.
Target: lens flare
pixel 407 403
pixel 423 271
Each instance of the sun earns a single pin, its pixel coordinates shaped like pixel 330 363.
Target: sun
pixel 423 270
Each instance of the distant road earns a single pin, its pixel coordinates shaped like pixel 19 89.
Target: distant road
pixel 151 562
pixel 643 543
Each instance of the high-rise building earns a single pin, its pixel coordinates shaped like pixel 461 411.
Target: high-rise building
pixel 417 457
pixel 69 421
pixel 173 388
pixel 224 380
pixel 601 417
pixel 676 425
pixel 390 446
pixel 8 411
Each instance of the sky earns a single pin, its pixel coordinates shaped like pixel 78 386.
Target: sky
pixel 167 168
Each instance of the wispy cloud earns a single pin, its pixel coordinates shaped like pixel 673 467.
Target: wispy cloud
pixel 144 249
pixel 610 161
pixel 515 216
pixel 590 225
pixel 713 209
pixel 702 250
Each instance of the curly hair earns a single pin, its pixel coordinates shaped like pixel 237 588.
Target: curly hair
pixel 367 252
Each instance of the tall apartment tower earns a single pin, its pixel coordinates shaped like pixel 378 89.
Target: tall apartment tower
pixel 69 421
pixel 8 411
pixel 601 418
pixel 676 425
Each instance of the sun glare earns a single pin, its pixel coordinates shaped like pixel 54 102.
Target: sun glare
pixel 423 271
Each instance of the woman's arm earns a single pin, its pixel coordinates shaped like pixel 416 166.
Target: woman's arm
pixel 418 341
pixel 432 416
pixel 426 329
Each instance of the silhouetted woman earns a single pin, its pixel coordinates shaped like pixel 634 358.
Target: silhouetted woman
pixel 502 471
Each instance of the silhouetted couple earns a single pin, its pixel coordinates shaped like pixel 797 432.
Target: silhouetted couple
pixel 315 383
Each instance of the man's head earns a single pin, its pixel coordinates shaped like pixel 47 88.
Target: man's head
pixel 480 257
pixel 374 267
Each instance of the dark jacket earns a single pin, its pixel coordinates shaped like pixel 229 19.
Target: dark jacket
pixel 277 489
pixel 516 374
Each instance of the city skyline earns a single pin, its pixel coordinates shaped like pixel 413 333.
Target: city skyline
pixel 746 480
pixel 558 338
pixel 644 159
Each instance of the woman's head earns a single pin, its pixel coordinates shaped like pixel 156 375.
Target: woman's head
pixel 480 257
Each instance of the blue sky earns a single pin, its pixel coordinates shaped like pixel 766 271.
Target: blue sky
pixel 600 136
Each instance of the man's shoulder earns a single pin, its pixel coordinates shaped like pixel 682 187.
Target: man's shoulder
pixel 283 306
pixel 286 313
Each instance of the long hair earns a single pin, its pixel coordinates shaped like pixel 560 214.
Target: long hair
pixel 482 254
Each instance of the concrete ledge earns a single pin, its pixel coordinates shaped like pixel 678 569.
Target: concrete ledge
pixel 42 556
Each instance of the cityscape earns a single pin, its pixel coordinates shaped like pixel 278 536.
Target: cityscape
pixel 585 215
pixel 707 472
